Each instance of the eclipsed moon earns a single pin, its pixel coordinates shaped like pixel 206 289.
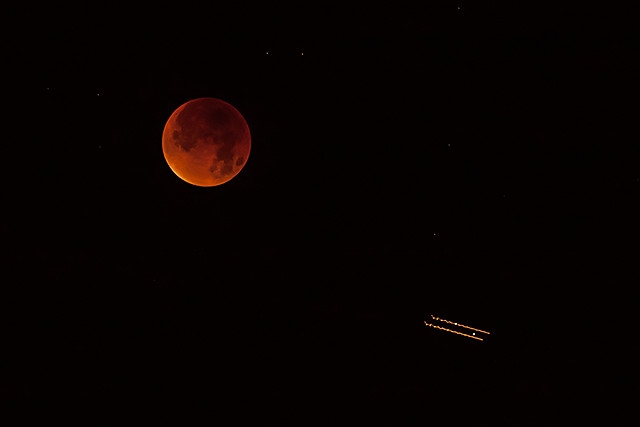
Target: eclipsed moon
pixel 206 142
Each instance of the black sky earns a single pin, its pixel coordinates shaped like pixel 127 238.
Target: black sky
pixel 474 161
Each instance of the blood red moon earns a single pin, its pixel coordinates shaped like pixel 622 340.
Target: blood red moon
pixel 206 142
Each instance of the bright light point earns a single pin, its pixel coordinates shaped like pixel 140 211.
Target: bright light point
pixel 473 333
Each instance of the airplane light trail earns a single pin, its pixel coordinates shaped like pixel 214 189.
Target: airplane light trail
pixel 473 335
pixel 452 331
pixel 459 324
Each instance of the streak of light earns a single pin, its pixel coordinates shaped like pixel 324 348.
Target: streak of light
pixel 459 324
pixel 452 331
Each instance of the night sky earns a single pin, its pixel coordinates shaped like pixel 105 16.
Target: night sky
pixel 476 161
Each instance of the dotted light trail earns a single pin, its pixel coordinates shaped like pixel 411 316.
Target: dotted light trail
pixel 452 331
pixel 459 324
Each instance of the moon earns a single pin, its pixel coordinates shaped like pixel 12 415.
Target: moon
pixel 206 142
